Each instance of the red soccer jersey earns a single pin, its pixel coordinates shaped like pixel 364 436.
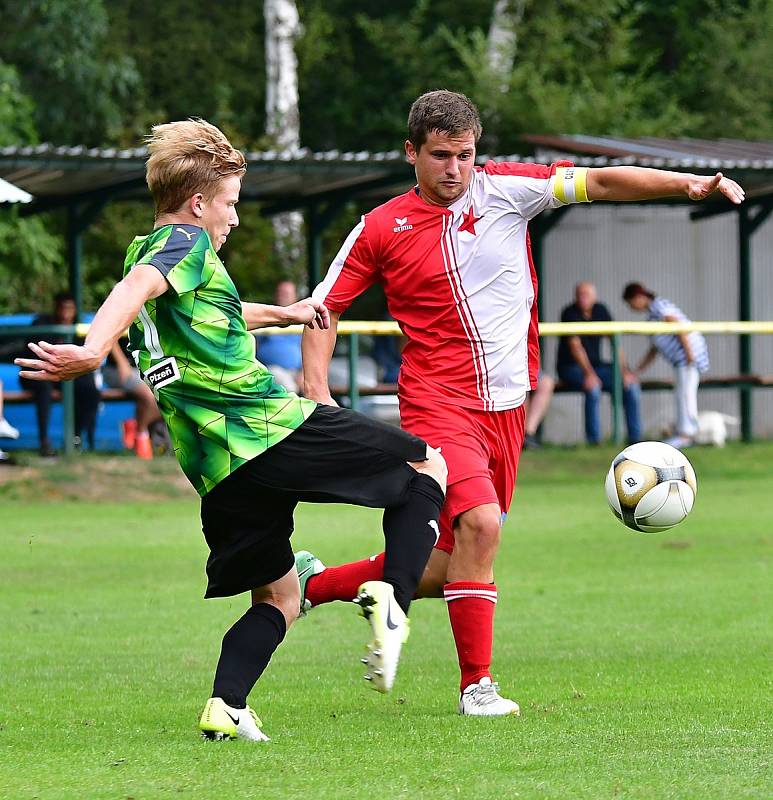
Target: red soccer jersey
pixel 460 282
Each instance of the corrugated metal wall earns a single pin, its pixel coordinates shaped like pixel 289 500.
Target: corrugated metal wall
pixel 694 264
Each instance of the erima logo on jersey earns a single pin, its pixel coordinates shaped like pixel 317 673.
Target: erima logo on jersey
pixel 162 374
pixel 402 225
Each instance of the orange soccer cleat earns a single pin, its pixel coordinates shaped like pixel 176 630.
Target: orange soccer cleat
pixel 129 433
pixel 143 447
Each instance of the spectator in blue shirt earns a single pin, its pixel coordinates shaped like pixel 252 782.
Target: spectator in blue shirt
pixel 686 352
pixel 282 353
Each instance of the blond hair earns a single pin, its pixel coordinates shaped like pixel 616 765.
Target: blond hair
pixel 186 158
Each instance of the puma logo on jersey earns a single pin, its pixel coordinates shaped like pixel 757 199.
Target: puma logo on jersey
pixel 189 235
pixel 402 225
pixel 435 528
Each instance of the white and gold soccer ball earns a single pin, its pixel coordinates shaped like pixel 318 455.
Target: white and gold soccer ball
pixel 651 487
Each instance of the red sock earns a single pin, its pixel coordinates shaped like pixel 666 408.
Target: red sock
pixel 341 583
pixel 471 610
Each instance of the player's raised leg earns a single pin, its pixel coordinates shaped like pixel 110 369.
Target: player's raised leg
pixel 409 533
pixel 342 581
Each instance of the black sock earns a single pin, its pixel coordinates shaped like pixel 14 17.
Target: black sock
pixel 410 537
pixel 247 649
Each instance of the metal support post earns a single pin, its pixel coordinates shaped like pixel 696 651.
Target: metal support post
pixel 68 417
pixel 354 361
pixel 745 313
pixel 68 411
pixel 617 390
pixel 314 246
pixel 74 253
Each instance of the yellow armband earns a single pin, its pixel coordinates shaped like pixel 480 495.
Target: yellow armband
pixel 570 184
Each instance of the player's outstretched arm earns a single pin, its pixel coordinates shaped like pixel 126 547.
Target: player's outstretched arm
pixel 305 312
pixel 61 362
pixel 641 183
pixel 317 350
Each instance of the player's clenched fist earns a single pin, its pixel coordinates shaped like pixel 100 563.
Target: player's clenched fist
pixel 309 312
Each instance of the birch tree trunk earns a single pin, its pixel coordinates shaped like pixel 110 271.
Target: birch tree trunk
pixel 503 38
pixel 283 121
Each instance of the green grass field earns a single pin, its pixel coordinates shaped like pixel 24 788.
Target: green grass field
pixel 642 664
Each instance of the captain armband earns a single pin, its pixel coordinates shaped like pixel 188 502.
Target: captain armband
pixel 570 185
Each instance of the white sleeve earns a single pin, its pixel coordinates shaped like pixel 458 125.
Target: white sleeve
pixel 534 187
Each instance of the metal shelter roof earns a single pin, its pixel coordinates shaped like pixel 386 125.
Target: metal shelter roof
pixel 749 162
pixel 57 176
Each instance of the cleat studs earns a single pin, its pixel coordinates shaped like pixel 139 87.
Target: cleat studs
pixel 377 653
pixel 368 677
pixel 364 661
pixel 378 672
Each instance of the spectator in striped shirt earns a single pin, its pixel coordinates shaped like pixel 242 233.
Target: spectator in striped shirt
pixel 686 352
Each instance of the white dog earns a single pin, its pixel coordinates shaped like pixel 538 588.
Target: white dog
pixel 712 427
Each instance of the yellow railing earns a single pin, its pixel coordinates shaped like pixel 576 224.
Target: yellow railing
pixel 354 329
pixel 561 328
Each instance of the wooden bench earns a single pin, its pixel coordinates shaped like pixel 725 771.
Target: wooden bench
pixel 381 389
pixel 709 382
pixel 24 396
pixel 653 385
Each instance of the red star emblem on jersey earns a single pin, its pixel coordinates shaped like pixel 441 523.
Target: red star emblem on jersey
pixel 468 221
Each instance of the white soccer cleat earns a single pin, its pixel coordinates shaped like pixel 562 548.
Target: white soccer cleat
pixel 483 700
pixel 7 431
pixel 390 628
pixel 220 721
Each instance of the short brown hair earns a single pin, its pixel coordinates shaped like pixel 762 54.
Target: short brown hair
pixel 633 289
pixel 186 158
pixel 442 111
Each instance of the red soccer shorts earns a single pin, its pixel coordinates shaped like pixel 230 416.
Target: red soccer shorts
pixel 481 449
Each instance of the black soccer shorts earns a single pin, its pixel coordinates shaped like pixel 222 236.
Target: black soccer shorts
pixel 335 456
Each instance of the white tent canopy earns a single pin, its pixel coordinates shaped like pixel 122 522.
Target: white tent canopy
pixel 12 194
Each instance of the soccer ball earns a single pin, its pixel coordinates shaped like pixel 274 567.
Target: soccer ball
pixel 651 487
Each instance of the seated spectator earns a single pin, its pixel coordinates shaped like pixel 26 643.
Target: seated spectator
pixel 118 373
pixel 282 353
pixel 686 352
pixel 7 431
pixel 580 367
pixel 86 391
pixel 537 404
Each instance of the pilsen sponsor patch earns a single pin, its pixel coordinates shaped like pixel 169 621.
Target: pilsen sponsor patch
pixel 163 373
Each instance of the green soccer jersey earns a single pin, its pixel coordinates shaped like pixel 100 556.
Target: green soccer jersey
pixel 191 344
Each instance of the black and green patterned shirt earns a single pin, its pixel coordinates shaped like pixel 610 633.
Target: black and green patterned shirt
pixel 191 344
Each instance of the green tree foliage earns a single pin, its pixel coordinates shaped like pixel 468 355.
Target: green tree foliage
pixel 194 59
pixel 359 72
pixel 718 60
pixel 248 253
pixel 29 254
pixel 31 263
pixel 69 66
pixel 16 109
pixel 101 73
